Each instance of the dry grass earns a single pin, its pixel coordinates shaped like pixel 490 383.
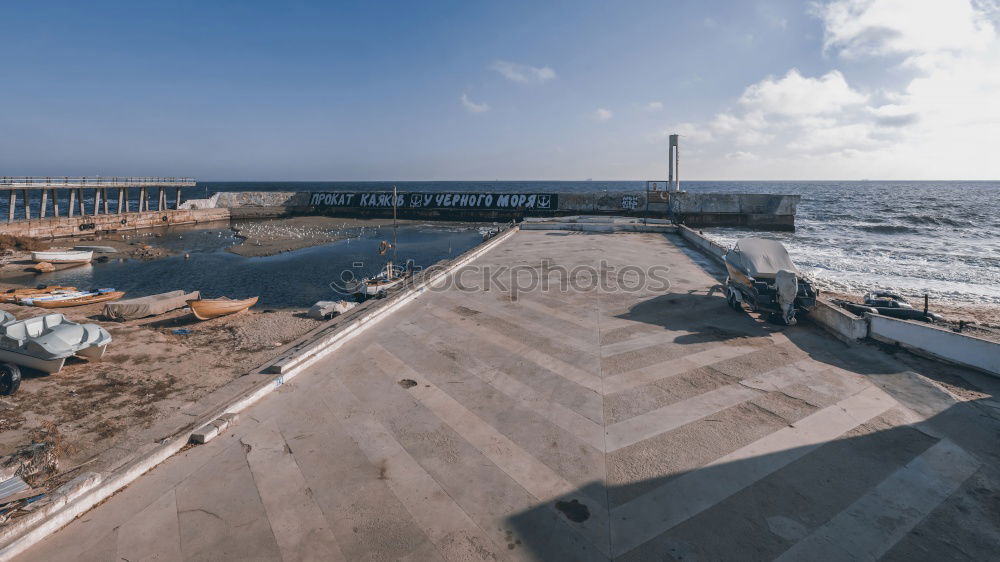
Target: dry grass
pixel 26 243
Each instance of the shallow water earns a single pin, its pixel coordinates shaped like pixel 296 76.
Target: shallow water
pixel 291 279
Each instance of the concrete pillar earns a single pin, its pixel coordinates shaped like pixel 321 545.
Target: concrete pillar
pixel 126 200
pixel 27 205
pixel 177 198
pixel 143 201
pixel 83 210
pixel 72 202
pixel 674 161
pixel 55 202
pixel 97 201
pixel 159 199
pixel 45 203
pixel 13 204
pixel 104 198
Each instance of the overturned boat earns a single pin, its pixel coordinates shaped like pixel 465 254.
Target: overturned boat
pixel 762 275
pixel 45 342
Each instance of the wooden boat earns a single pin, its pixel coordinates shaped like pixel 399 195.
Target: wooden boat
pixel 63 256
pixel 206 309
pixel 14 295
pixel 89 298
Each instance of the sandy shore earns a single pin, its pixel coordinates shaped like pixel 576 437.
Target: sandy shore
pixel 269 237
pixel 981 320
pixel 148 372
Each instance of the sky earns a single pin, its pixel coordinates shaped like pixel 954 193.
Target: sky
pixel 484 90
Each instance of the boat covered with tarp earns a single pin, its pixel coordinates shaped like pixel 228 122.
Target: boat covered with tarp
pixel 152 305
pixel 762 275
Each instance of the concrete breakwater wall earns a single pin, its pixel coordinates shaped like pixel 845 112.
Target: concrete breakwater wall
pixel 764 211
pixel 57 227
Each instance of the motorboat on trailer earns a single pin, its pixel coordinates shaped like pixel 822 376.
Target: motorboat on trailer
pixel 762 275
pixel 45 342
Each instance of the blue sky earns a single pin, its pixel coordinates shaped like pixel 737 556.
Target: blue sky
pixel 499 90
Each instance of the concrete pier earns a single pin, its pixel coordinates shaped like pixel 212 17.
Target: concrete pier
pixel 577 422
pixel 59 207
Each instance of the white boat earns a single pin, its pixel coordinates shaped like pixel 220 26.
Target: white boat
pixel 378 284
pixel 390 276
pixel 63 256
pixel 45 342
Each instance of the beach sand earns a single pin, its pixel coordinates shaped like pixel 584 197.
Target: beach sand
pixel 147 373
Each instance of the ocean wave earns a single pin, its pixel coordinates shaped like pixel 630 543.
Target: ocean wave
pixel 888 229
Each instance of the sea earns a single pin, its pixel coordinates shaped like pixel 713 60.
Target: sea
pixel 935 238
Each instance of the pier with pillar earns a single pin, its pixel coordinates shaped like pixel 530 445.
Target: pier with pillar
pixel 68 206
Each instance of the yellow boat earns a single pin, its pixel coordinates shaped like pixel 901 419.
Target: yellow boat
pixel 206 309
pixel 79 301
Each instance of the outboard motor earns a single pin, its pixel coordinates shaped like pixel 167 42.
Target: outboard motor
pixel 788 287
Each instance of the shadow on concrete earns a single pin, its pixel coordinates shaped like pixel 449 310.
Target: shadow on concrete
pixel 706 316
pixel 757 508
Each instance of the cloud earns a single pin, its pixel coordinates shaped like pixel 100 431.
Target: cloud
pixel 795 94
pixel 473 107
pixel 742 156
pixel 858 28
pixel 523 73
pixel 653 106
pixel 601 114
pixel 945 58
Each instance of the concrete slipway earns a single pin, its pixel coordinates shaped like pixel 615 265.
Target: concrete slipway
pixel 585 425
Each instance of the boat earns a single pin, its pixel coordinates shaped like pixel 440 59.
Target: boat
pixel 45 342
pixel 31 300
pixel 206 309
pixel 63 256
pixel 15 295
pixel 148 306
pixel 96 249
pixel 762 275
pixel 80 300
pixel 390 275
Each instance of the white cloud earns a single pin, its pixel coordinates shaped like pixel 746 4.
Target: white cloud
pixel 742 156
pixel 881 27
pixel 653 106
pixel 798 95
pixel 602 114
pixel 473 107
pixel 940 120
pixel 522 72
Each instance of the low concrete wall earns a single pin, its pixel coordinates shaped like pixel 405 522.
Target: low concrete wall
pixel 936 342
pixel 704 244
pixel 56 227
pixel 751 210
pixel 839 322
